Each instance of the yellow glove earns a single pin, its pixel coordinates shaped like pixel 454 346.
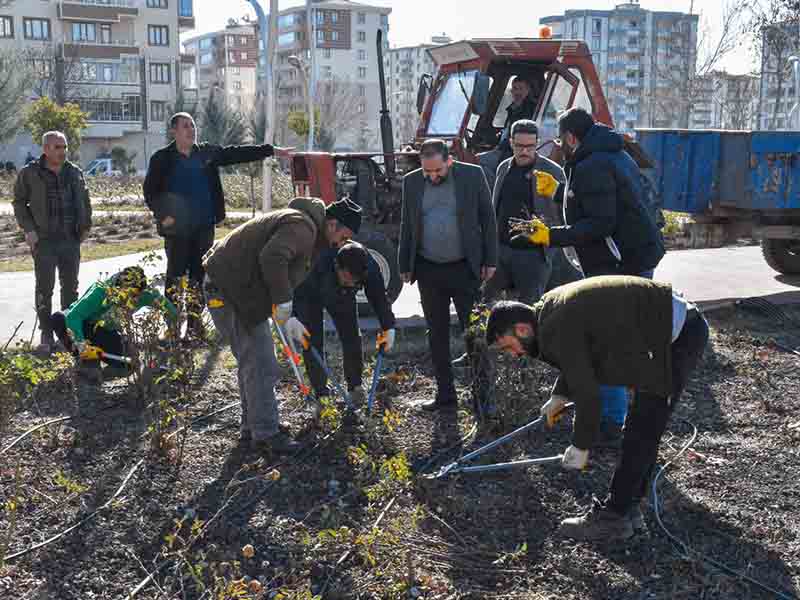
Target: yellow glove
pixel 89 352
pixel 546 184
pixel 540 235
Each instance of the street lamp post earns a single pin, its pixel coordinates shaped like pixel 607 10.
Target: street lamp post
pixel 299 64
pixel 263 25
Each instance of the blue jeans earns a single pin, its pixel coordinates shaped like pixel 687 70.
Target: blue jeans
pixel 615 398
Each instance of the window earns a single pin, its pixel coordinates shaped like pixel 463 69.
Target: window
pixel 362 55
pixel 596 42
pixel 186 8
pixel 362 36
pixel 236 70
pixel 319 17
pixel 206 58
pixel 229 39
pixel 597 26
pixel 320 35
pixel 362 72
pixel 231 56
pixel 237 85
pixel 285 21
pixel 327 72
pixel 205 44
pixel 6 27
pixel 362 18
pixel 36 29
pixel 384 21
pixel 452 103
pixel 159 73
pixel 42 67
pixel 326 53
pixel 574 29
pixel 286 39
pixel 158 111
pixel 107 73
pixel 158 35
pixel 362 108
pixel 334 36
pixel 84 32
pixel 242 40
pixel 362 90
pixel 105 33
pixel 334 16
pixel 157 4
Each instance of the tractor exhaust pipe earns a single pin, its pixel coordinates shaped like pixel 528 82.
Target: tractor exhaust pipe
pixel 387 137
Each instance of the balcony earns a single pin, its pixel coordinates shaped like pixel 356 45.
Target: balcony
pixel 103 50
pixel 632 83
pixel 112 118
pixel 109 11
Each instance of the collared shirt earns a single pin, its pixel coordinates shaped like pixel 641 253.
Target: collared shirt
pixel 441 236
pixel 62 209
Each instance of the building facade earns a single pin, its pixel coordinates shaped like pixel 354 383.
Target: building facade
pixel 777 93
pixel 645 61
pixel 342 71
pixel 727 102
pixel 118 59
pixel 226 63
pixel 404 67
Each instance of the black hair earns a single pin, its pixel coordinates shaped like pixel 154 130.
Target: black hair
pixel 434 147
pixel 524 126
pixel 578 121
pixel 505 314
pixel 353 258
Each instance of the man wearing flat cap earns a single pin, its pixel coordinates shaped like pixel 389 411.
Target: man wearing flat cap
pixel 251 275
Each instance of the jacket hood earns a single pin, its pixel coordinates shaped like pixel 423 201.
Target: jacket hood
pixel 599 139
pixel 313 207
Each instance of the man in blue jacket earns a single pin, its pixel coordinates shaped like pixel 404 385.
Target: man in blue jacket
pixel 606 221
pixel 332 285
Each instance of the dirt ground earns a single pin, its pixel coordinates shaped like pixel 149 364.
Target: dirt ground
pixel 351 516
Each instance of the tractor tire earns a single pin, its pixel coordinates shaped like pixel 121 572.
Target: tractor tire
pixel 384 251
pixel 782 255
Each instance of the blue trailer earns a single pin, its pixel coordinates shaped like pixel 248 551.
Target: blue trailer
pixel 735 181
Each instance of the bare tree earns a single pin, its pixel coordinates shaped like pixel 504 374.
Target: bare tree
pixel 682 88
pixel 735 99
pixel 16 78
pixel 339 104
pixel 58 76
pixel 774 26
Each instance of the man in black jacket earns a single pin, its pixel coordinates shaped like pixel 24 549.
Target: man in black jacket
pixel 184 191
pixel 448 244
pixel 332 285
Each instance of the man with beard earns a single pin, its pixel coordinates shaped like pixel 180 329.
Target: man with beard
pixel 616 330
pixel 448 244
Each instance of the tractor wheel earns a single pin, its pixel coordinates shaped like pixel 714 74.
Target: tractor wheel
pixel 782 255
pixel 384 252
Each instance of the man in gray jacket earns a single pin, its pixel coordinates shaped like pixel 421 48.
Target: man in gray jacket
pixel 52 206
pixel 448 244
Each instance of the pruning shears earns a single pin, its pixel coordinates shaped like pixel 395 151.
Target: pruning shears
pixel 321 361
pixel 293 357
pixel 458 466
pixel 92 352
pixel 376 375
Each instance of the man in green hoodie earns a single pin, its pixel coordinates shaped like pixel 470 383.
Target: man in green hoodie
pixel 89 321
pixel 251 276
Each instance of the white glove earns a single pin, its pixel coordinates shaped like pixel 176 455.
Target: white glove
pixel 81 346
pixel 282 312
pixel 386 340
pixel 32 238
pixel 553 408
pixel 575 458
pixel 297 331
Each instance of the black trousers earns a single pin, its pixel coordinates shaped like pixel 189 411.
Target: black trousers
pixel 439 283
pixel 345 318
pixel 109 340
pixel 50 255
pixel 648 416
pixel 185 257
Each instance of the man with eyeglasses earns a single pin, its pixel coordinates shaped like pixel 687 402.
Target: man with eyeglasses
pixel 332 285
pixel 528 185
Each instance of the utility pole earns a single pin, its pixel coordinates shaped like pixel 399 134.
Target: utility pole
pixel 311 74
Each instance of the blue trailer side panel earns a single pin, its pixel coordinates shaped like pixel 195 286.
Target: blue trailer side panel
pixel 775 169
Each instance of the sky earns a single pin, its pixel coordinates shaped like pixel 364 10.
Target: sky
pixel 413 22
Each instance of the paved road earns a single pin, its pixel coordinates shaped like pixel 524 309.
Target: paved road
pixel 711 277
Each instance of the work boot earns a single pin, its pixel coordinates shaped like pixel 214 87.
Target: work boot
pixel 280 443
pixel 358 397
pixel 46 343
pixel 599 524
pixel 637 517
pixel 443 401
pixel 610 435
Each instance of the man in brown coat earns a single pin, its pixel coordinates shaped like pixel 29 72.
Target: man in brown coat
pixel 614 330
pixel 251 275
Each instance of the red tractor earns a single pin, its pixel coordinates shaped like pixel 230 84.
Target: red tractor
pixel 464 103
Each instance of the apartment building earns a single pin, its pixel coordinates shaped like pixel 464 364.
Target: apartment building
pixel 226 63
pixel 118 59
pixel 645 60
pixel 777 94
pixel 404 67
pixel 343 70
pixel 726 101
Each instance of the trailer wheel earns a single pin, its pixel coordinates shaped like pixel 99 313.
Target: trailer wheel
pixel 384 252
pixel 782 255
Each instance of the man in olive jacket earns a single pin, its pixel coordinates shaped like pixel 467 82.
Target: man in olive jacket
pixel 51 204
pixel 251 274
pixel 183 189
pixel 616 330
pixel 448 244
